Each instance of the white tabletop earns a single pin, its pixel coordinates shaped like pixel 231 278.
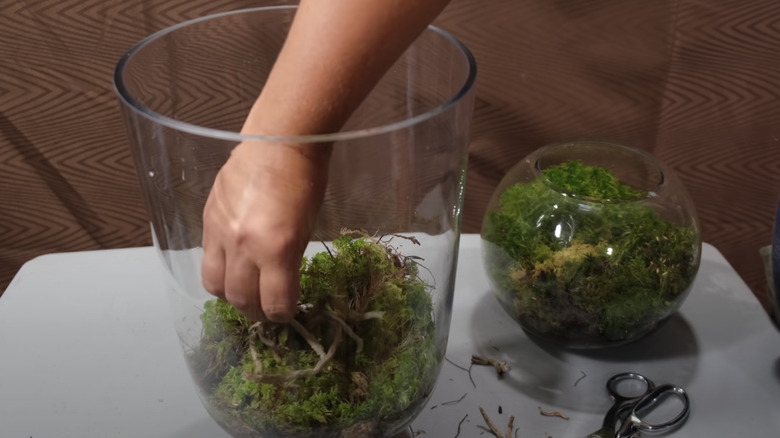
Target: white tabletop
pixel 88 349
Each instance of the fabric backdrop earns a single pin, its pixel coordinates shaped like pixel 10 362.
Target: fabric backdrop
pixel 695 82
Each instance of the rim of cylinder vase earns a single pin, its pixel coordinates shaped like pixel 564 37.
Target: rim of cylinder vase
pixel 127 98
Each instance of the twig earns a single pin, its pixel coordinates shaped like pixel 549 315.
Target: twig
pixel 409 238
pixel 490 423
pixel 324 358
pixel 510 427
pixel 582 377
pixel 499 366
pixel 455 365
pixel 459 423
pixel 454 402
pixel 326 248
pixel 316 346
pixel 468 370
pixel 256 331
pixel 553 414
pixel 358 340
pixel 357 316
pixel 255 358
pixel 267 342
pixel 426 268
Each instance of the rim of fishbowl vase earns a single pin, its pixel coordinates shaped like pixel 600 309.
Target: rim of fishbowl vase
pixel 131 102
pixel 659 186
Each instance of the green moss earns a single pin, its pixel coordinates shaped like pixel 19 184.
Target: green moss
pixel 591 182
pixel 581 270
pixel 378 294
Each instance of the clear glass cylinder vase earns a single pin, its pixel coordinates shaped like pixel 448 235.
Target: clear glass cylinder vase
pixel 396 180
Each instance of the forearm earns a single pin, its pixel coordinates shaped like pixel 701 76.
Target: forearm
pixel 336 51
pixel 262 208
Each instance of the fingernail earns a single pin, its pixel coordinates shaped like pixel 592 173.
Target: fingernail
pixel 279 313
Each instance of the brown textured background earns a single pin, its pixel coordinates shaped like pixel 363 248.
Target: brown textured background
pixel 695 82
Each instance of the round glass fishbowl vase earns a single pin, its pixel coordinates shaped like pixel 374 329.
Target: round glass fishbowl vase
pixel 363 353
pixel 590 244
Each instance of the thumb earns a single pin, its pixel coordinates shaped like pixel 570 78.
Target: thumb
pixel 279 290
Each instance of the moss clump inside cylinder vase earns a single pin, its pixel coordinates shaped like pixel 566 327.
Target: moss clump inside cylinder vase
pixel 358 360
pixel 591 244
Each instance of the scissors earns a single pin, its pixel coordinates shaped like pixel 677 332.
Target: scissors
pixel 626 412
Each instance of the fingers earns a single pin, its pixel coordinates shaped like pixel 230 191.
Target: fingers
pixel 271 295
pixel 212 274
pixel 256 224
pixel 242 287
pixel 231 274
pixel 279 291
pixel 237 279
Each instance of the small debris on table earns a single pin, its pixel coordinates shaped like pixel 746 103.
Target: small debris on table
pixel 500 366
pixel 464 369
pixel 581 377
pixel 490 423
pixel 510 426
pixel 454 402
pixel 459 423
pixel 553 414
pixel 494 429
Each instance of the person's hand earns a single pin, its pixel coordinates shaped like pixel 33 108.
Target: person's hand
pixel 256 225
pixel 261 209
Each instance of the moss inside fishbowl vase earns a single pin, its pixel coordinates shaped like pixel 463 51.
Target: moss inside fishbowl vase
pixel 359 357
pixel 590 244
